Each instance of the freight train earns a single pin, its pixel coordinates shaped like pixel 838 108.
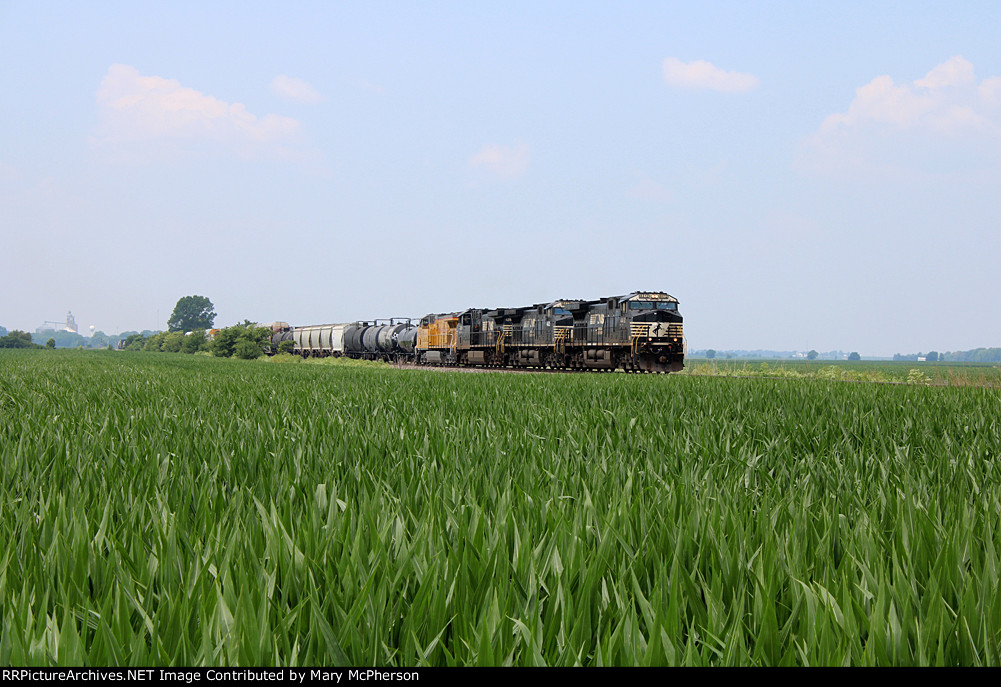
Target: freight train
pixel 641 331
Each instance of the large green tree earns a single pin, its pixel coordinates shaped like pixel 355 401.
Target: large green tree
pixel 17 339
pixel 190 313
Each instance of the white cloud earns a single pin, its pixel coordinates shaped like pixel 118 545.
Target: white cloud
pixel 990 91
pixel 506 162
pixel 945 110
pixel 704 75
pixel 295 89
pixel 946 100
pixel 148 115
pixel 956 71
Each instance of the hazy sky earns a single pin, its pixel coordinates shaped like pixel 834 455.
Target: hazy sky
pixel 799 174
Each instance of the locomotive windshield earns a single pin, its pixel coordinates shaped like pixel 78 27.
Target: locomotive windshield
pixel 650 305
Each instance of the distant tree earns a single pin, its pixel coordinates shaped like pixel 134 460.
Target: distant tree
pixel 134 342
pixel 190 313
pixel 247 349
pixel 711 353
pixel 227 341
pixel 812 355
pixel 195 341
pixel 976 355
pixel 17 339
pixel 51 343
pixel 172 342
pixel 854 356
pixel 154 343
pixel 63 338
pixel 289 347
pixel 99 340
pixel 261 336
pixel 224 342
pixel 3 331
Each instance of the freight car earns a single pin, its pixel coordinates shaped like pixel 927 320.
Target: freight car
pixel 641 331
pixel 389 340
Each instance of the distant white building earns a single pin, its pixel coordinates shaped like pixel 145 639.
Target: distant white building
pixel 68 326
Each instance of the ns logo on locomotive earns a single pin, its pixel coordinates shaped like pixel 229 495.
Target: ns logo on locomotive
pixel 640 332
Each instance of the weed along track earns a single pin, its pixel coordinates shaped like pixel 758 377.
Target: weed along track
pixel 187 510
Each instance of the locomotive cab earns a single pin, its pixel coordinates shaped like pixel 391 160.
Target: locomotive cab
pixel 436 339
pixel 655 328
pixel 656 312
pixel 470 328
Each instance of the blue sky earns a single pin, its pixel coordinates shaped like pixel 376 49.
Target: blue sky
pixel 799 175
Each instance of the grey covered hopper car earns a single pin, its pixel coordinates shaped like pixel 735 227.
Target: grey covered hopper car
pixel 319 339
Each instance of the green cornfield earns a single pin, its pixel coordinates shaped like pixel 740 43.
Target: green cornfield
pixel 186 510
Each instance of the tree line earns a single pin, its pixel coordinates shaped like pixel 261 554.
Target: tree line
pixel 189 330
pixel 247 341
pixel 19 339
pixel 975 355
